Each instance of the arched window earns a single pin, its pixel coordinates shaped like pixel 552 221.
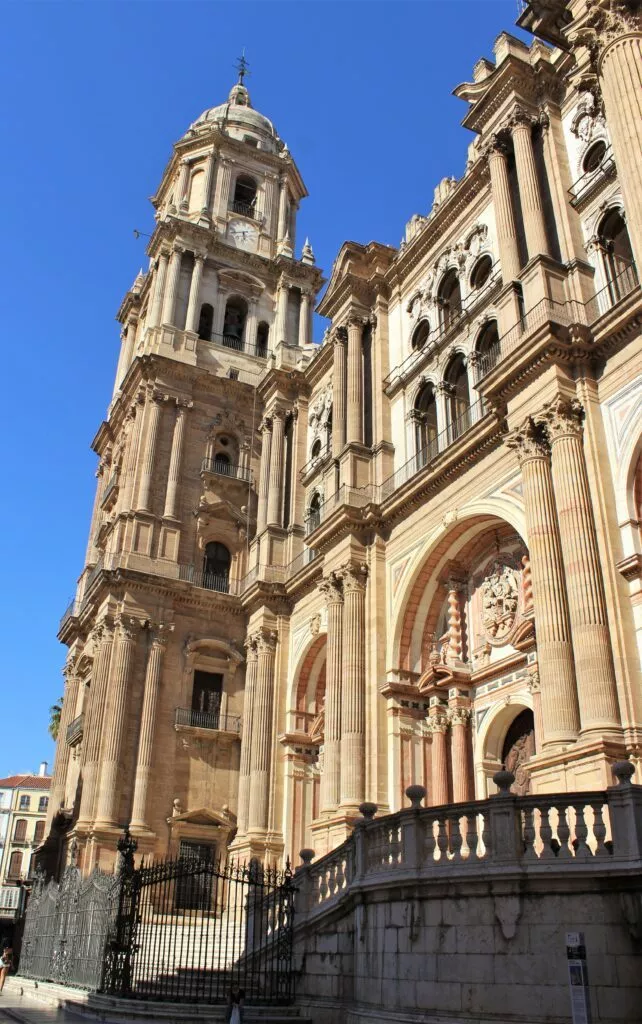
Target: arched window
pixel 458 397
pixel 262 338
pixel 449 299
pixel 234 323
pixel 314 512
pixel 481 272
pixel 420 335
pixel 594 156
pixel 316 449
pixel 222 464
pixel 244 200
pixel 216 567
pixel 20 831
pixel 426 428
pixel 617 255
pixel 39 832
pixel 15 865
pixel 487 348
pixel 205 321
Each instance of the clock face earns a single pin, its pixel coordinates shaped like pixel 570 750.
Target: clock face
pixel 242 234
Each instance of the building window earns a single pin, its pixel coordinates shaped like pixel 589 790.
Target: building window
pixel 314 513
pixel 420 335
pixel 20 831
pixel 234 323
pixel 262 338
pixel 617 255
pixel 450 299
pixel 316 449
pixel 481 273
pixel 206 694
pixel 594 157
pixel 194 888
pixel 244 195
pixel 488 347
pixel 425 416
pixel 15 865
pixel 222 464
pixel 205 322
pixel 43 804
pixel 458 397
pixel 39 833
pixel 25 803
pixel 216 567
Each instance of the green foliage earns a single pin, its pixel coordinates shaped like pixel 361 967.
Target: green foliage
pixel 55 712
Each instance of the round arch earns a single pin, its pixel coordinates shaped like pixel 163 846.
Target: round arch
pixel 490 736
pixel 306 666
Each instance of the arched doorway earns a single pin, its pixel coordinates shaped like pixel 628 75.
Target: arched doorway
pixel 518 749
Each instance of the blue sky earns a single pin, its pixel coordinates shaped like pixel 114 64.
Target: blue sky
pixel 92 96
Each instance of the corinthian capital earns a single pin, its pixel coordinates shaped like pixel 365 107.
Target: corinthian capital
pixel 562 418
pixel 518 117
pixel 354 578
pixel 127 628
pixel 339 335
pixel 266 641
pixel 459 716
pixel 529 441
pixel 160 633
pixel 331 587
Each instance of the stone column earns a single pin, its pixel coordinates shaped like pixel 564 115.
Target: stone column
pixel 281 312
pixel 332 590
pixel 175 460
pixel 355 382
pixel 275 493
pixel 459 719
pixel 149 455
pixel 131 459
pixel 181 201
pixel 224 178
pixel 353 699
pixel 171 291
pixel 251 325
pixel 264 474
pixel 504 216
pixel 246 740
pixel 110 769
pixel 159 288
pixel 597 690
pixel 283 207
pixel 193 304
pixel 61 762
pixel 126 352
pixel 207 183
pixel 103 639
pixel 153 675
pixel 339 392
pixel 454 587
pixel 437 724
pixel 304 319
pixel 560 715
pixel 529 190
pixel 262 733
pixel 535 690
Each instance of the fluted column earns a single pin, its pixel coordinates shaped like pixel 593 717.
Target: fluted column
pixel 283 209
pixel 181 189
pixel 275 494
pixel 251 325
pixel 171 288
pixel 504 215
pixel 61 761
pixel 175 461
pixel 353 698
pixel 282 312
pixel 159 288
pixel 264 474
pixel 115 722
pixel 459 750
pixel 339 391
pixel 529 190
pixel 332 589
pixel 223 182
pixel 438 724
pixel 154 413
pixel 620 72
pixel 153 675
pixel 210 163
pixel 103 640
pixel 262 733
pixel 131 460
pixel 355 382
pixel 246 741
pixel 596 685
pixel 560 715
pixel 193 303
pixel 304 319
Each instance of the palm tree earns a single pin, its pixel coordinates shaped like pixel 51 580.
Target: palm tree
pixel 54 720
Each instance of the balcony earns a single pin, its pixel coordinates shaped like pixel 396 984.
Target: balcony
pixel 236 344
pixel 111 492
pixel 316 462
pixel 218 720
pixel 71 612
pixel 226 469
pixel 207 580
pixel 75 731
pixel 244 209
pixel 591 181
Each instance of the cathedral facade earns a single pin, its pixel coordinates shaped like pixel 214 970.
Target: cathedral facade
pixel 320 573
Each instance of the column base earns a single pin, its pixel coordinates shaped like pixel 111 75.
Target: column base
pixel 257 844
pixel 584 766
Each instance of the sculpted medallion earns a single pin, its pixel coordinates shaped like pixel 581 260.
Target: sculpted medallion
pixel 500 601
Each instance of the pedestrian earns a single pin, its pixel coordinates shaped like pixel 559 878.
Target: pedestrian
pixel 6 962
pixel 235 1005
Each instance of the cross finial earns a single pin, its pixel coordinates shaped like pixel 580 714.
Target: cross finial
pixel 242 67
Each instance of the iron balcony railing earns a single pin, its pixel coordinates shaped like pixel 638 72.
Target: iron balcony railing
pixel 70 612
pixel 75 730
pixel 215 720
pixel 316 461
pixel 590 181
pixel 313 521
pixel 227 469
pixel 236 344
pixel 109 490
pixel 245 209
pixel 207 580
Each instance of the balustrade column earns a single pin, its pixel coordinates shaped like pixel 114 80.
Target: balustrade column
pixel 504 215
pixel 304 319
pixel 110 768
pixel 131 463
pixel 246 741
pixel 159 288
pixel 175 460
pixel 262 733
pixel 171 290
pixel 153 675
pixel 331 779
pixel 275 493
pixel 102 637
pixel 181 189
pixel 355 382
pixel 193 303
pixel 283 208
pixel 620 74
pixel 437 724
pixel 596 685
pixel 61 762
pixel 264 474
pixel 339 392
pixel 210 163
pixel 149 456
pixel 460 757
pixel 529 189
pixel 560 714
pixel 353 697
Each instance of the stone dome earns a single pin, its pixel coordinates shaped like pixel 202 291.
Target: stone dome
pixel 239 118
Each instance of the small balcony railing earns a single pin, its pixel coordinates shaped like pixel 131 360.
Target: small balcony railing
pixel 215 720
pixel 236 344
pixel 110 490
pixel 228 469
pixel 75 730
pixel 70 612
pixel 590 181
pixel 316 461
pixel 312 522
pixel 244 209
pixel 207 580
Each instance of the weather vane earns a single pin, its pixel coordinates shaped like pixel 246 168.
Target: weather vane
pixel 242 67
